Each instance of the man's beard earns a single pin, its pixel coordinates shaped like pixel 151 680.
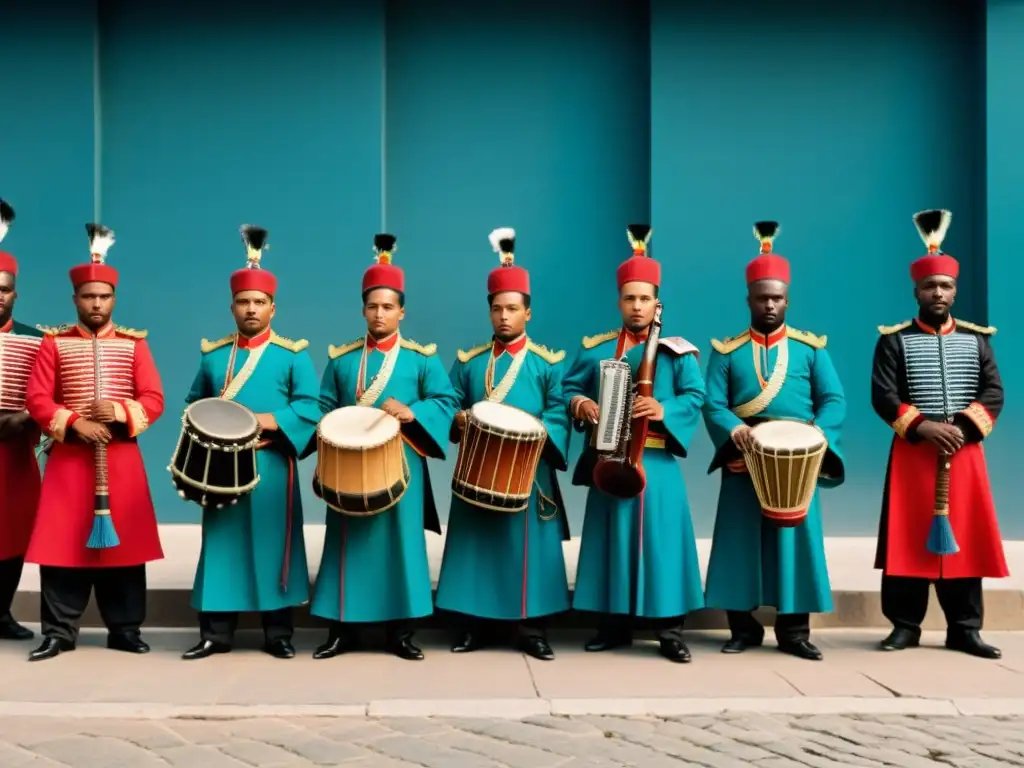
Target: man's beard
pixel 636 327
pixel 378 335
pixel 765 327
pixel 6 314
pixel 505 338
pixel 92 325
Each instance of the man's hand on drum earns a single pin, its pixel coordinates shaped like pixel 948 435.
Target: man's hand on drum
pixel 946 437
pixel 460 421
pixel 398 410
pixel 103 412
pixel 91 431
pixel 267 421
pixel 648 408
pixel 741 436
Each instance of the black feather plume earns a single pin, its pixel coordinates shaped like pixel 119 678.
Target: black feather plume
pixel 928 221
pixel 96 230
pixel 766 229
pixel 384 242
pixel 254 237
pixel 6 212
pixel 639 232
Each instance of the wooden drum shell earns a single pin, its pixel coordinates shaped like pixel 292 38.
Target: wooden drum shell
pixel 785 479
pixel 361 481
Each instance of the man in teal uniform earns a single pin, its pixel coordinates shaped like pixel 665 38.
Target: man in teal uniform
pixel 770 371
pixel 374 569
pixel 254 555
pixel 638 557
pixel 497 566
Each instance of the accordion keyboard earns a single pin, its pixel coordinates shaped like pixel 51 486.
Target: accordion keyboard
pixel 613 401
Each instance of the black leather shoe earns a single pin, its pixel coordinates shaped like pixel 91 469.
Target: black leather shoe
pixel 970 642
pixel 535 646
pixel 335 646
pixel 606 642
pixel 404 648
pixel 127 643
pixel 802 649
pixel 674 649
pixel 900 639
pixel 468 643
pixel 280 649
pixel 12 630
pixel 204 649
pixel 740 643
pixel 51 646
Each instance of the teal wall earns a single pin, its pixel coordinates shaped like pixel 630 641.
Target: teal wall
pixel 439 121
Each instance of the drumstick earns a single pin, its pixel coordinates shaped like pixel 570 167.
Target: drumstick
pixel 383 415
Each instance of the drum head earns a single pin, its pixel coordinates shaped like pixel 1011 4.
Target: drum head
pixel 357 426
pixel 507 418
pixel 787 435
pixel 222 419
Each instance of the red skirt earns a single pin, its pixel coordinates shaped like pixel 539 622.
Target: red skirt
pixel 19 479
pixel 972 515
pixel 65 516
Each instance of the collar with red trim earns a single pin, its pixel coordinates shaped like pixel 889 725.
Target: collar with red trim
pixel 947 327
pixel 768 340
pixel 384 345
pixel 513 347
pixel 251 342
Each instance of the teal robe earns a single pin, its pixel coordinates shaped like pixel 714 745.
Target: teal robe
pixel 375 568
pixel 638 556
pixel 253 556
pixel 510 566
pixel 755 562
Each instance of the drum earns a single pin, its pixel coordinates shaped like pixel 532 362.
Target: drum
pixel 360 461
pixel 214 464
pixel 498 457
pixel 784 464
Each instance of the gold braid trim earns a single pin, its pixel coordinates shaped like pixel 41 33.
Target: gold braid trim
pixel 548 355
pixel 59 424
pixel 296 345
pixel 210 346
pixel 343 349
pixel 465 357
pixel 976 413
pixel 423 349
pixel 134 333
pixel 808 338
pixel 589 342
pixel 772 389
pixel 902 424
pixel 886 330
pixel 730 344
pixel 138 420
pixel 986 330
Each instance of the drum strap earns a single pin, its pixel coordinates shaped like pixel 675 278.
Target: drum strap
pixel 233 384
pixel 769 389
pixel 369 396
pixel 498 395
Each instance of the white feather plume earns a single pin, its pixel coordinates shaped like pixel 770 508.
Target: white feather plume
pixel 100 244
pixel 501 233
pixel 4 227
pixel 935 238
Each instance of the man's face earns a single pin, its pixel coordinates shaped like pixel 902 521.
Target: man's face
pixel 509 315
pixel 253 311
pixel 8 295
pixel 768 300
pixel 95 304
pixel 637 303
pixel 935 295
pixel 383 312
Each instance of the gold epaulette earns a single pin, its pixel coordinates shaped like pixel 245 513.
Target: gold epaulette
pixel 548 355
pixel 731 343
pixel 296 345
pixel 886 330
pixel 589 342
pixel 344 349
pixel 808 338
pixel 209 346
pixel 134 333
pixel 423 349
pixel 987 330
pixel 469 354
pixel 55 330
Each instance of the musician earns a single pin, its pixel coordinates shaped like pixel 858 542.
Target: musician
pixel 253 555
pixel 770 371
pixel 94 529
pixel 19 435
pixel 638 558
pixel 936 383
pixel 500 567
pixel 374 569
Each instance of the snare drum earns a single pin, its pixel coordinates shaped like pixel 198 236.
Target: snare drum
pixel 498 457
pixel 784 464
pixel 360 461
pixel 214 464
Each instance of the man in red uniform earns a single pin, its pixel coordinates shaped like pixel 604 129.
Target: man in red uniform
pixel 935 382
pixel 19 472
pixel 95 526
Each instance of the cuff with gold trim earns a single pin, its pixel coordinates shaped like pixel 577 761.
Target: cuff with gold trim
pixel 135 416
pixel 61 422
pixel 980 417
pixel 907 417
pixel 574 406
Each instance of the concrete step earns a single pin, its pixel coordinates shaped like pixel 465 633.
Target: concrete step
pixel 855 586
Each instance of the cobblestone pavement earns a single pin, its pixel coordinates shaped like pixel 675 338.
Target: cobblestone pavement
pixel 724 741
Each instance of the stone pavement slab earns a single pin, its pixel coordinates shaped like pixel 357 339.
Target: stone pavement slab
pixel 730 740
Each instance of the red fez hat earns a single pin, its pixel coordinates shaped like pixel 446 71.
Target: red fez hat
pixel 509 276
pixel 7 262
pixel 767 265
pixel 933 226
pixel 384 274
pixel 252 277
pixel 96 270
pixel 639 267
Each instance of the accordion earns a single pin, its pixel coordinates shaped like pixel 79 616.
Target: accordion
pixel 615 407
pixel 17 356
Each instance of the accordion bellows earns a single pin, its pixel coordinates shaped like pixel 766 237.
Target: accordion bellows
pixel 17 355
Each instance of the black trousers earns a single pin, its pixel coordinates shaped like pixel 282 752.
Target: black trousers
pixel 220 627
pixel 905 602
pixel 789 627
pixel 621 625
pixel 394 630
pixel 10 577
pixel 120 598
pixel 494 630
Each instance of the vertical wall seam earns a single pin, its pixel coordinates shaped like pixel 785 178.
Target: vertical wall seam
pixel 97 121
pixel 384 120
